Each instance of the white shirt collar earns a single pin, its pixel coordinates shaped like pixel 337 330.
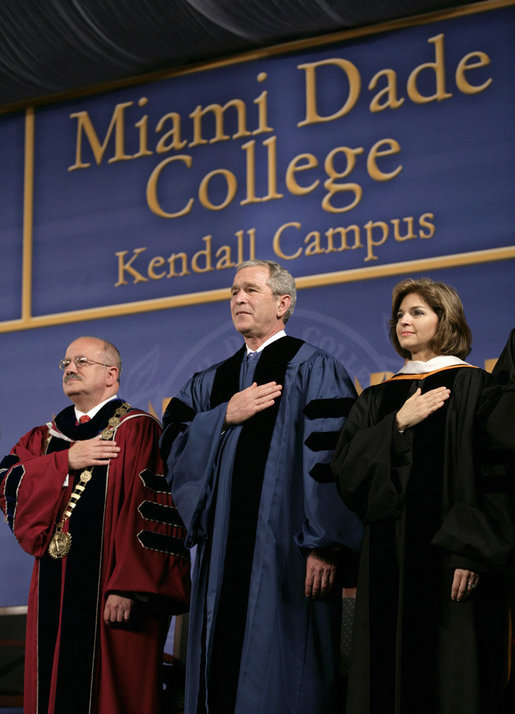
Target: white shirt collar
pixel 440 362
pixel 96 409
pixel 275 337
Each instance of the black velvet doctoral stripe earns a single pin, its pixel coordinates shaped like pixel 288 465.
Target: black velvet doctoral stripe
pixel 49 598
pixel 7 462
pixel 163 544
pixel 49 595
pixel 11 493
pixel 423 567
pixel 384 594
pixel 227 379
pixel 384 589
pixel 160 513
pixel 156 482
pixel 175 418
pixel 322 473
pixel 177 410
pixel 322 440
pixel 328 408
pixel 65 421
pixel 247 479
pixel 81 605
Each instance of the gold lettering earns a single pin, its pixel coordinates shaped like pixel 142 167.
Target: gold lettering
pixel 127 267
pixel 392 101
pixel 84 124
pixel 313 246
pixel 302 162
pixel 156 263
pixel 171 262
pixel 239 236
pixel 142 125
pixel 276 243
pixel 391 147
pixel 396 229
pixel 171 140
pixel 250 163
pixel 438 67
pixel 218 112
pixel 332 187
pixel 353 77
pixel 426 221
pixel 231 187
pixel 225 261
pixel 252 243
pixel 371 243
pixel 206 254
pixel 271 145
pixel 342 233
pixel 261 102
pixel 153 201
pixel 465 64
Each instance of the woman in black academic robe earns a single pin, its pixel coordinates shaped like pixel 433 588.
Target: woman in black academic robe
pixel 430 632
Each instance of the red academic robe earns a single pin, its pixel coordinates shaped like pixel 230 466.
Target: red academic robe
pixel 127 538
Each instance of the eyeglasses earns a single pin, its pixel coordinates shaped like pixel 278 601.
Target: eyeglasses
pixel 79 362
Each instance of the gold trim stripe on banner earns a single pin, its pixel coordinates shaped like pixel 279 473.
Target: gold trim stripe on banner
pixel 219 295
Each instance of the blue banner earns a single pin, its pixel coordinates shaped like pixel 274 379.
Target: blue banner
pixel 354 163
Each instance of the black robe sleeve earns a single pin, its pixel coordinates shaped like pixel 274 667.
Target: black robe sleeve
pixel 372 461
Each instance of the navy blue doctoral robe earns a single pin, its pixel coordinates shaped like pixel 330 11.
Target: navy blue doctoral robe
pixel 255 499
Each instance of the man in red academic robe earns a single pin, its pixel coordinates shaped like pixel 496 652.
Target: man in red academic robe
pixel 86 496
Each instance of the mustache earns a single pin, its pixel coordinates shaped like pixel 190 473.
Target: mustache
pixel 68 377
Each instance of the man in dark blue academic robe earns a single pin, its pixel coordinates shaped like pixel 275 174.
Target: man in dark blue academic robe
pixel 248 444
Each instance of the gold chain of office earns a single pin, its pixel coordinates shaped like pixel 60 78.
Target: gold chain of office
pixel 62 542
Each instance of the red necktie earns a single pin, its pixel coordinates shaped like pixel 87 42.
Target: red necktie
pixel 84 418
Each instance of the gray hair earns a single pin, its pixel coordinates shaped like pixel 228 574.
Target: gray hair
pixel 111 353
pixel 280 281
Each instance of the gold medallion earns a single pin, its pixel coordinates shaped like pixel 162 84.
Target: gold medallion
pixel 86 476
pixel 60 544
